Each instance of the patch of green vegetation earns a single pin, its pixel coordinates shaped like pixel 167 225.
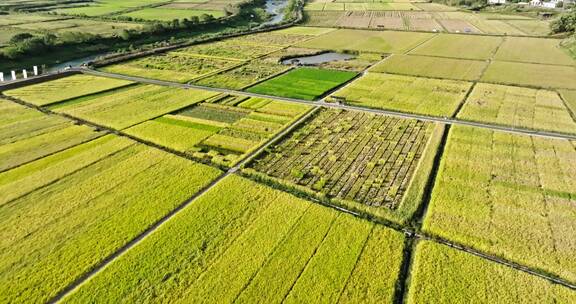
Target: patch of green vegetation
pixel 303 83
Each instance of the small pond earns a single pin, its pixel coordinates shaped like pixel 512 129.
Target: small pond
pixel 318 59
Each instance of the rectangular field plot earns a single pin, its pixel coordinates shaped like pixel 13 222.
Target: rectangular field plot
pixel 449 68
pixel 129 106
pixel 534 75
pixel 27 135
pixel 509 195
pixel 243 76
pixel 274 39
pixel 321 18
pixel 441 274
pixel 359 160
pixel 228 49
pixel 65 88
pixel 569 97
pixel 303 83
pixel 172 66
pixel 460 46
pixel 533 50
pixel 66 213
pixel 223 131
pixel 518 107
pixel 405 94
pixel 368 41
pixel 245 242
pixel 82 25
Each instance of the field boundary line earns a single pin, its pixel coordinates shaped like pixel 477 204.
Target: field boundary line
pixel 336 216
pixel 570 111
pixel 403 281
pixel 271 255
pixel 463 101
pixel 66 175
pixel 434 35
pixel 364 245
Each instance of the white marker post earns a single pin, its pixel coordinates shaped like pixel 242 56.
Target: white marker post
pixel 13 75
pixel 35 71
pixel 25 74
pixel 1 77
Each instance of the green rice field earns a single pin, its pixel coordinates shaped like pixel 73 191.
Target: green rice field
pixel 303 83
pixel 166 14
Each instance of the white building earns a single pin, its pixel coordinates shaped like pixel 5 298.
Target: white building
pixel 496 1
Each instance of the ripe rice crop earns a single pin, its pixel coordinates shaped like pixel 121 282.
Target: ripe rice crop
pixel 125 108
pixel 247 242
pixel 441 274
pixel 270 39
pixel 424 66
pixel 303 83
pixel 569 97
pixel 459 46
pixel 228 49
pixel 54 234
pixel 171 66
pixel 219 133
pixel 533 50
pixel 508 195
pixel 362 161
pixel 518 107
pixel 406 94
pixel 367 41
pixel 65 88
pixel 29 148
pixel 534 75
pixel 243 76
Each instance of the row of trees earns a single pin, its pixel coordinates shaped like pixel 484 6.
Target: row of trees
pixel 566 23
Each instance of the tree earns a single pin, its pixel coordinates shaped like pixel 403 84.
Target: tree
pixel 20 37
pixel 206 18
pixel 565 23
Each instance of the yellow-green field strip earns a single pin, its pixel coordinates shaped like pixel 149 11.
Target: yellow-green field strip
pixel 410 233
pixel 449 121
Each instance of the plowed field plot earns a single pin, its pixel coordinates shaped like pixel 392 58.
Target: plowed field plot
pixel 220 132
pixel 65 88
pixel 246 242
pixel 518 107
pixel 27 135
pixel 179 67
pixel 533 50
pixel 441 274
pixel 359 160
pixel 303 83
pixel 65 213
pixel 126 107
pixel 244 75
pixel 534 75
pixel 405 94
pixel 449 68
pixel 459 46
pixel 509 195
pixel 367 41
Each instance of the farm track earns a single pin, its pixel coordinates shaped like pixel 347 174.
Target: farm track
pixel 412 234
pixel 447 121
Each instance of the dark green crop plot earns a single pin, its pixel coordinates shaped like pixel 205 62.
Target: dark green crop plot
pixel 303 83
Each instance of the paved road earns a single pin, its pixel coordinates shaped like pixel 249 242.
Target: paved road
pixel 447 120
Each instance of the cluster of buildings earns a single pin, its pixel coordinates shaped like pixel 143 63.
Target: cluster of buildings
pixel 538 3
